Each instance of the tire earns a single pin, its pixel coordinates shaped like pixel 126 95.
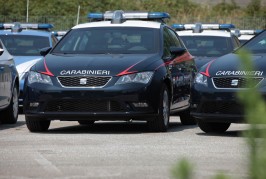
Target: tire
pixel 86 122
pixel 37 124
pixel 186 118
pixel 10 114
pixel 213 127
pixel 161 123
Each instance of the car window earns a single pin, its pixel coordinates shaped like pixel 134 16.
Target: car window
pixel 25 45
pixel 211 46
pixel 117 40
pixel 257 44
pixel 236 42
pixel 54 40
pixel 175 41
pixel 167 43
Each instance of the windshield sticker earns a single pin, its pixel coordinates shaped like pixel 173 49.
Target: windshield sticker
pixel 239 73
pixel 84 72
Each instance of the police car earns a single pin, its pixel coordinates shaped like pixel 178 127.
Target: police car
pixel 245 35
pixel 207 41
pixel 124 66
pixel 9 87
pixel 24 42
pixel 214 101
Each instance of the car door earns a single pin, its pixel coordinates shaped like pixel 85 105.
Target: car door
pixel 5 77
pixel 181 70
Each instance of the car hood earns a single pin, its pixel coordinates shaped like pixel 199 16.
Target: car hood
pixel 24 63
pixel 100 64
pixel 200 61
pixel 230 65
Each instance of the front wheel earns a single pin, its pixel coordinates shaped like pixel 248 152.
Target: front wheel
pixel 160 123
pixel 35 124
pixel 213 127
pixel 10 114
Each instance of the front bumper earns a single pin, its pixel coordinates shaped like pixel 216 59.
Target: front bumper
pixel 121 102
pixel 216 105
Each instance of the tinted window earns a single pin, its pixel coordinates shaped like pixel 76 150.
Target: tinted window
pixel 167 43
pixel 236 42
pixel 109 40
pixel 207 45
pixel 175 41
pixel 24 45
pixel 257 44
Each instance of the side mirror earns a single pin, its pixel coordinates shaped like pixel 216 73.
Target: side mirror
pixel 177 50
pixel 45 51
pixel 1 51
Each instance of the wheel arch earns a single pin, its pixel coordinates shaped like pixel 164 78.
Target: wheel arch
pixel 168 84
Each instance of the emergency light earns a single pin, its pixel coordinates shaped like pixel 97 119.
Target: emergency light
pixel 26 26
pixel 126 15
pixel 203 26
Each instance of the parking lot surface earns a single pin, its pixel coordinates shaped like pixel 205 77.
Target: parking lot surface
pixel 119 150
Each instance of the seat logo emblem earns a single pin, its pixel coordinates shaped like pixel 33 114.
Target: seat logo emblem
pixel 83 81
pixel 234 83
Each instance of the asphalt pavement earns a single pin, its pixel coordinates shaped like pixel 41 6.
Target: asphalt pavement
pixel 119 150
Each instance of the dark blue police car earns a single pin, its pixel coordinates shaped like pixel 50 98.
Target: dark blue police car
pixel 124 66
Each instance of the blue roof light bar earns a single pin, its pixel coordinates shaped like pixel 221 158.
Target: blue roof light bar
pixel 108 15
pixel 158 15
pixel 178 26
pixel 98 16
pixel 250 32
pixel 226 26
pixel 59 33
pixel 203 26
pixel 26 26
pixel 45 26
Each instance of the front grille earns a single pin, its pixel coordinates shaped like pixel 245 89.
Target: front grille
pixel 83 81
pixel 234 82
pixel 221 107
pixel 82 106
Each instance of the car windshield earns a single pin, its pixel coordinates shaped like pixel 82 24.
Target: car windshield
pixel 210 46
pixel 242 41
pixel 257 44
pixel 24 45
pixel 103 40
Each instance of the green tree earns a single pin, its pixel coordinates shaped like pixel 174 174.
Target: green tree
pixel 254 8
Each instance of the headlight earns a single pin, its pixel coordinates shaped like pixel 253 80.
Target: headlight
pixel 201 79
pixel 143 77
pixel 34 77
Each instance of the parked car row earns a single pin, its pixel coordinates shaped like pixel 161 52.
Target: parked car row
pixel 131 66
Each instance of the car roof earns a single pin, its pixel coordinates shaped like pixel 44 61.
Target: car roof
pixel 245 37
pixel 127 23
pixel 26 32
pixel 219 33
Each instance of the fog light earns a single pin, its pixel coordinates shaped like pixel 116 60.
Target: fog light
pixel 34 105
pixel 194 105
pixel 140 105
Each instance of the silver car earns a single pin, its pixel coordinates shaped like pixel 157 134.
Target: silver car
pixel 9 87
